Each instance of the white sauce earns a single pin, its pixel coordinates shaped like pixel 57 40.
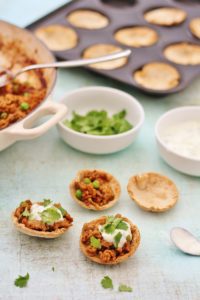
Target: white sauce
pixel 36 209
pixel 109 237
pixel 183 138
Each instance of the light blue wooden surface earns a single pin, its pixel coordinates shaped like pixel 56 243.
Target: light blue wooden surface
pixel 44 167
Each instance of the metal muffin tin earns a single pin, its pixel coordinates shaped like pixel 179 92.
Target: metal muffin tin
pixel 126 13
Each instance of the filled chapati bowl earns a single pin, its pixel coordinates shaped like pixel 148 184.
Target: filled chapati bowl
pixel 23 101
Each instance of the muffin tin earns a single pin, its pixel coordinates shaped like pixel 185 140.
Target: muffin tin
pixel 128 13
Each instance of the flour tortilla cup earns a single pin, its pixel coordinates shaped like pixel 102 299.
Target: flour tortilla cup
pixel 113 182
pixel 195 27
pixel 153 192
pixel 157 76
pixel 134 244
pixel 57 37
pixel 87 19
pixel 136 36
pixel 31 232
pixel 98 50
pixel 165 16
pixel 183 53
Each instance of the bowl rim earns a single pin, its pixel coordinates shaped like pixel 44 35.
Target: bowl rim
pixel 104 137
pixel 158 136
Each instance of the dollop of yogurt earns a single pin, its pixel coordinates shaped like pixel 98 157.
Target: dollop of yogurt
pixel 37 209
pixel 110 237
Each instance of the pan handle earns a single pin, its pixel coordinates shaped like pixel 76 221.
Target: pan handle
pixel 24 130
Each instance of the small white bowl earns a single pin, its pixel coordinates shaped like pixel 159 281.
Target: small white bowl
pixel 177 161
pixel 101 98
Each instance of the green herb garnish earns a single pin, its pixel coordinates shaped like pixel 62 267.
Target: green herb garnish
pixel 117 239
pixel 95 242
pixel 50 215
pixel 122 225
pixel 128 238
pixel 26 213
pixel 113 223
pixel 53 269
pixel 22 281
pixel 107 283
pixel 124 288
pixel 99 123
pixel 63 211
pixel 46 202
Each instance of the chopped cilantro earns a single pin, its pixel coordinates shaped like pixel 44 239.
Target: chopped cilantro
pixel 109 228
pixel 110 219
pixel 128 238
pixel 95 242
pixel 107 283
pixel 124 288
pixel 46 202
pixel 63 211
pixel 22 281
pixel 113 223
pixel 26 213
pixel 116 222
pixel 122 225
pixel 117 239
pixel 99 123
pixel 50 215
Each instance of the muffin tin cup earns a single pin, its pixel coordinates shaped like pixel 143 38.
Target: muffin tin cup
pixel 133 15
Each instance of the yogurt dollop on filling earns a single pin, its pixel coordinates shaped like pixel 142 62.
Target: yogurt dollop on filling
pixel 119 236
pixel 37 210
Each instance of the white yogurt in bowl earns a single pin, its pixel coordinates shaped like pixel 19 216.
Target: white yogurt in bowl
pixel 183 138
pixel 178 139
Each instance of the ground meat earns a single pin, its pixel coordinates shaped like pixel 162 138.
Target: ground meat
pixel 36 225
pixel 108 252
pixel 62 224
pixel 88 233
pixel 95 196
pixel 31 88
pixel 39 225
pixel 107 255
pixel 91 251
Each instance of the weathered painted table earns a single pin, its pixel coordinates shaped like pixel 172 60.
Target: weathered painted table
pixel 44 167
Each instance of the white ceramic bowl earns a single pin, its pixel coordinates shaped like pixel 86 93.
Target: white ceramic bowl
pixel 179 162
pixel 98 98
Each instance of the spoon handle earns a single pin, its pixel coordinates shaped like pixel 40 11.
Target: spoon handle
pixel 77 63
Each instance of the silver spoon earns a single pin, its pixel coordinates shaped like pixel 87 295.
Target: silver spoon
pixel 6 75
pixel 185 241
